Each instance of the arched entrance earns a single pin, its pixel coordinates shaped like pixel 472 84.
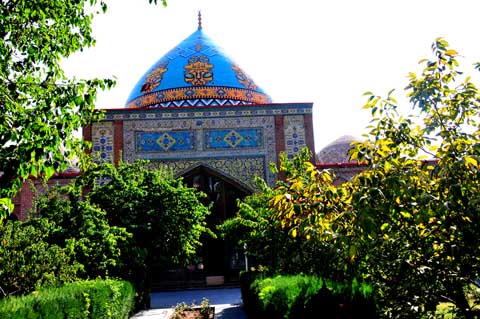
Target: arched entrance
pixel 217 261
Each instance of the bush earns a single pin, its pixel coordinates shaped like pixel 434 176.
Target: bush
pixel 82 299
pixel 303 296
pixel 250 300
pixel 29 261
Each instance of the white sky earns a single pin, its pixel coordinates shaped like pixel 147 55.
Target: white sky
pixel 325 52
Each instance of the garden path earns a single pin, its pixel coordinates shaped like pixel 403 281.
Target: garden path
pixel 227 303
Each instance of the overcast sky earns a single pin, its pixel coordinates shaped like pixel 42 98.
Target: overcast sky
pixel 325 52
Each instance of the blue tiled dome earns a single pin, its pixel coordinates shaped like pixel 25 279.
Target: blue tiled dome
pixel 195 73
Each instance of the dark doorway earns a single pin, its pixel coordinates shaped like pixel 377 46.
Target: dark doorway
pixel 217 255
pixel 217 261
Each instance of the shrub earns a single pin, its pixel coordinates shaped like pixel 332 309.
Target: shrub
pixel 250 300
pixel 29 261
pixel 303 296
pixel 82 299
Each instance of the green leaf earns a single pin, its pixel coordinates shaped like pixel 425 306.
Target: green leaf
pixel 406 214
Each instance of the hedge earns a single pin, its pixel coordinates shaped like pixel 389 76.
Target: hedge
pixel 303 297
pixel 81 299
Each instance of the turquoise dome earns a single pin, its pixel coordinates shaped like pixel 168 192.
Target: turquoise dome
pixel 195 73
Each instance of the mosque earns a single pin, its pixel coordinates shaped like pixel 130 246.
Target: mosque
pixel 200 114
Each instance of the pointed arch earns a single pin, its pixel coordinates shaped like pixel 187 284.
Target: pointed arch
pixel 204 168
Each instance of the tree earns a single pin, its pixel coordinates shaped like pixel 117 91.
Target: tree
pixel 116 221
pixel 65 239
pixel 83 228
pixel 423 215
pixel 166 218
pixel 406 224
pixel 40 108
pixel 272 239
pixel 253 231
pixel 30 261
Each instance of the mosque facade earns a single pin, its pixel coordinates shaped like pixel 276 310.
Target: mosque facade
pixel 201 115
pixel 196 108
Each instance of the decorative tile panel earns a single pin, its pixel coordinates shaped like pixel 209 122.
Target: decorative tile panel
pixel 276 109
pixel 294 129
pixel 164 141
pixel 102 141
pixel 241 169
pixel 234 138
pixel 249 136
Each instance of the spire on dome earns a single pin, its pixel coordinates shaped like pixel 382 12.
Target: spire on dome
pixel 199 20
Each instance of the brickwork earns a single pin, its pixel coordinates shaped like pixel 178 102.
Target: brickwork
pixel 117 141
pixel 31 188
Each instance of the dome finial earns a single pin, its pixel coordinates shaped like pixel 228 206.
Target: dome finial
pixel 199 20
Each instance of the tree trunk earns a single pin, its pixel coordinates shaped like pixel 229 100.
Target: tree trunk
pixel 456 291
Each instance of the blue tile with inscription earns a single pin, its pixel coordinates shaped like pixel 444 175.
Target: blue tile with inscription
pixel 164 141
pixel 237 138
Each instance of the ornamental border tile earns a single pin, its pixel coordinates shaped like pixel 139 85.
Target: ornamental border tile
pixel 295 138
pixel 102 141
pixel 241 169
pixel 129 114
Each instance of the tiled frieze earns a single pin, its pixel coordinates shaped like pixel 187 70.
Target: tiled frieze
pixel 258 133
pixel 102 141
pixel 294 129
pixel 165 141
pixel 241 169
pixel 168 113
pixel 233 138
pixel 239 141
pixel 209 140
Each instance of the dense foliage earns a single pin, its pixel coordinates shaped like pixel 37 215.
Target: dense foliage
pixel 83 228
pixel 123 221
pixel 165 217
pixel 420 239
pixel 111 222
pixel 302 297
pixel 406 224
pixel 40 108
pixel 28 260
pixel 252 230
pixel 82 299
pixel 72 239
pixel 271 244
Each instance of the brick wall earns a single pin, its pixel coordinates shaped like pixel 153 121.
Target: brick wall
pixel 30 188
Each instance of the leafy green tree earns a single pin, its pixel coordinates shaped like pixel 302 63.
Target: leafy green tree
pixel 254 231
pixel 311 208
pixel 28 260
pixel 65 239
pixel 83 228
pixel 423 216
pixel 124 221
pixel 40 108
pixel 272 239
pixel 406 224
pixel 166 218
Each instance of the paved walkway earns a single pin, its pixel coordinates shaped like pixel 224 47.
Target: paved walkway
pixel 227 303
